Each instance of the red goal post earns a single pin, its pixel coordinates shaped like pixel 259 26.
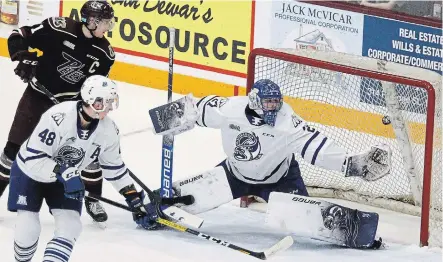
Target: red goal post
pixel 332 91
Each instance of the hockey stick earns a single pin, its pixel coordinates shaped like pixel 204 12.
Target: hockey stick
pixel 168 140
pixel 172 212
pixel 282 245
pixel 187 200
pixel 166 201
pixel 46 91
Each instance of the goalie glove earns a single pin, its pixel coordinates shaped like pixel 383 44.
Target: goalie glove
pixel 371 165
pixel 175 117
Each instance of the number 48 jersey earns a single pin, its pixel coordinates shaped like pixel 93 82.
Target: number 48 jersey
pixel 58 138
pixel 258 153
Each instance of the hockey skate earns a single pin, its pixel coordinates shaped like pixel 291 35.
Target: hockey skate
pixel 97 212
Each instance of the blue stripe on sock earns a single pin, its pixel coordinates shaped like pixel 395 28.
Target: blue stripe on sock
pixel 56 254
pixel 63 241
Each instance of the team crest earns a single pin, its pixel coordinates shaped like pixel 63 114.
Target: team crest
pixel 96 5
pixel 254 120
pixel 58 118
pixel 247 147
pixel 59 22
pixel 70 155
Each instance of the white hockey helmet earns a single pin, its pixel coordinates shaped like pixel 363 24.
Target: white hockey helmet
pixel 100 93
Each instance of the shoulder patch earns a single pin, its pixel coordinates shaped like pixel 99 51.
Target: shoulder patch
pixel 116 128
pixel 58 118
pixel 217 101
pixel 63 25
pixel 111 51
pixel 107 49
pixel 296 121
pixel 58 22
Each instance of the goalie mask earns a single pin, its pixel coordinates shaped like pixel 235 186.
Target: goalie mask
pixel 100 93
pixel 266 99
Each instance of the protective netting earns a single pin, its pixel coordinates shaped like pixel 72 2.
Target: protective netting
pixel 351 108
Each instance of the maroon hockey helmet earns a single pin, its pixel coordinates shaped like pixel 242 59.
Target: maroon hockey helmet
pixel 96 9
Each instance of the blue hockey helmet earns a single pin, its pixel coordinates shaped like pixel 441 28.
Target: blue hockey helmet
pixel 266 98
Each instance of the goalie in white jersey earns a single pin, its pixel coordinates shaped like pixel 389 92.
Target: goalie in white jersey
pixel 260 135
pixel 68 137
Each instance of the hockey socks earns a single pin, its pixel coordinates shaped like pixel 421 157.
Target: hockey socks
pixel 58 250
pixel 93 184
pixel 23 254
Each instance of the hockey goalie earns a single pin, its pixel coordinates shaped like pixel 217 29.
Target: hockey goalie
pixel 260 135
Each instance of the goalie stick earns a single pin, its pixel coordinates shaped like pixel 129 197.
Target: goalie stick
pixel 281 245
pixel 168 140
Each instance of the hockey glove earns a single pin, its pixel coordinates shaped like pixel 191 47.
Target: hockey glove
pixel 27 66
pixel 145 213
pixel 371 165
pixel 72 182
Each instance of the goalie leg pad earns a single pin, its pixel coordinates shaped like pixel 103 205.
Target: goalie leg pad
pixel 322 220
pixel 210 190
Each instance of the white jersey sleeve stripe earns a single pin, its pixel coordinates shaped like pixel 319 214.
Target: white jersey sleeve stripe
pixel 314 157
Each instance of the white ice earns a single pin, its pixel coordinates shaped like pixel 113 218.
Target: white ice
pixel 194 152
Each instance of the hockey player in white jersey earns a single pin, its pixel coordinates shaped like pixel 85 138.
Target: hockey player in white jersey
pixel 260 135
pixel 68 137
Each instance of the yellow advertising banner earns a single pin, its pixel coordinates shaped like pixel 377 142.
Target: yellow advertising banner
pixel 210 35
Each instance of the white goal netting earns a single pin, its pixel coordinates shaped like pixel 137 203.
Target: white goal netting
pixel 360 102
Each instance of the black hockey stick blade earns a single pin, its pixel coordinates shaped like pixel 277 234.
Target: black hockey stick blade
pixel 281 245
pixel 186 200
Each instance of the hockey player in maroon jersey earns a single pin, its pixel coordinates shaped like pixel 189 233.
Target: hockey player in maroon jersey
pixel 59 54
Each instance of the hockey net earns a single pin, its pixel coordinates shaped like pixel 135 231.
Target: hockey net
pixel 360 102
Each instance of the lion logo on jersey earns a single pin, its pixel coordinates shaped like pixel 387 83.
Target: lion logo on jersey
pixel 70 155
pixel 247 147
